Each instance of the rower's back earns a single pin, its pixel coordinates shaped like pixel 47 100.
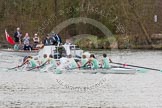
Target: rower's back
pixel 95 63
pixel 44 59
pixel 106 64
pixel 72 62
pixel 52 61
pixel 84 60
pixel 31 61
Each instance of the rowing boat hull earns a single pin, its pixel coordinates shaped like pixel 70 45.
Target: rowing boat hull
pixel 90 71
pixel 105 71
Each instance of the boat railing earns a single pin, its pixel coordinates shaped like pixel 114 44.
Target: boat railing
pixel 69 49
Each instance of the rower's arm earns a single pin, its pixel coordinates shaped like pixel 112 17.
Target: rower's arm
pixel 24 62
pixel 87 62
pixel 110 60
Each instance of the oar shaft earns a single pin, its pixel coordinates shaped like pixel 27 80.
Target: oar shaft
pixel 136 66
pixel 15 67
pixel 144 67
pixel 38 66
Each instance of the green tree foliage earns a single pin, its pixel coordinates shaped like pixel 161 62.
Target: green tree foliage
pixel 133 18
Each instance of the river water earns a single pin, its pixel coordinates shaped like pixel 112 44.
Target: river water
pixel 69 90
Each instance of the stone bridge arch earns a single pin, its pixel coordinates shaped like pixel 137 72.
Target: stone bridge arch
pixel 93 22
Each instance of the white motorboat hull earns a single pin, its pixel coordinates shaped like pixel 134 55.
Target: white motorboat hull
pixel 54 51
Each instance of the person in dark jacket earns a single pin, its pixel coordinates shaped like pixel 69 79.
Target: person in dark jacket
pixel 17 36
pixel 57 38
pixel 47 40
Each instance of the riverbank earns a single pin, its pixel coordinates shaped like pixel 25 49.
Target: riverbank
pixel 90 42
pixel 113 42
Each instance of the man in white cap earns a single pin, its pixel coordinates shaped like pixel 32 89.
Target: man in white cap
pixel 36 40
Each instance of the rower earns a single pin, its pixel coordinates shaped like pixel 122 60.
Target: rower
pixel 71 62
pixel 83 61
pixel 63 59
pixel 51 64
pixel 52 61
pixel 26 57
pixel 44 59
pixel 105 62
pixel 29 60
pixel 93 61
